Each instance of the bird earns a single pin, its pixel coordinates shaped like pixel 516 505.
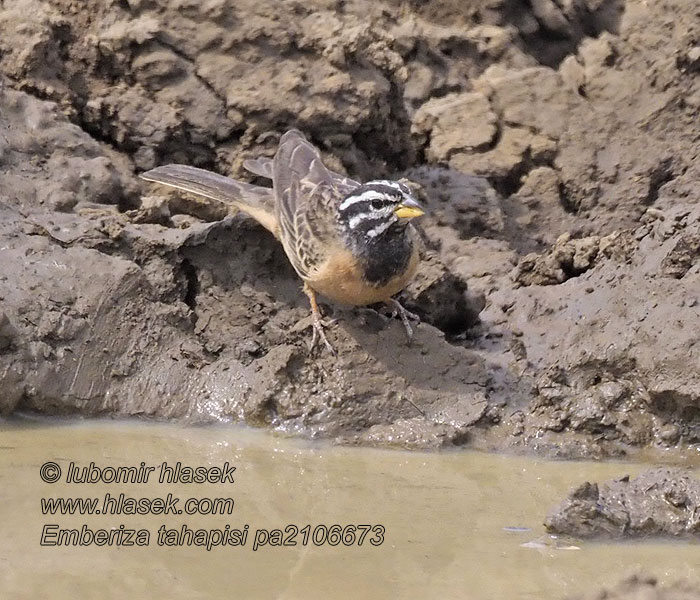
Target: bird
pixel 351 242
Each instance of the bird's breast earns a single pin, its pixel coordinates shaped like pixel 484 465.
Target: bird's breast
pixel 349 279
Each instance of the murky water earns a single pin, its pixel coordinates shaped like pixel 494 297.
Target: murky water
pixel 456 525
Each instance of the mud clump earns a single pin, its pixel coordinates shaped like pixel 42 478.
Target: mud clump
pixel 659 502
pixel 568 258
pixel 682 257
pixel 644 587
pixel 557 149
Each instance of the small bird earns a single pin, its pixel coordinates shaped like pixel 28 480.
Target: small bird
pixel 351 242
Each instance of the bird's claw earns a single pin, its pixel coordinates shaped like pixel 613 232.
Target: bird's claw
pixel 317 322
pixel 318 332
pixel 405 315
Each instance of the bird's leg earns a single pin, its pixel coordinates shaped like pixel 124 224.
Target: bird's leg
pixel 317 322
pixel 396 308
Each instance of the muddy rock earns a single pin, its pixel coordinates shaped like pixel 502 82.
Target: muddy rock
pixel 570 257
pixel 645 587
pixel 455 123
pixel 659 502
pixel 684 255
pixel 66 167
pixel 225 348
pixel 463 206
pixel 262 323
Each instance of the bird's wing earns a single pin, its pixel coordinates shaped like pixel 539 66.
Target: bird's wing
pixel 256 201
pixel 262 166
pixel 316 228
pixel 307 232
pixel 297 156
pixel 301 183
pixel 343 184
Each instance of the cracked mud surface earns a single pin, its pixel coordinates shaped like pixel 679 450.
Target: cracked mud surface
pixel 557 148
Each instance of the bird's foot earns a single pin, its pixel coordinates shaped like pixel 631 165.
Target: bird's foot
pixel 317 322
pixel 406 316
pixel 320 333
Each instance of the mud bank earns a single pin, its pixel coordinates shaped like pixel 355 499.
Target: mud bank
pixel 557 148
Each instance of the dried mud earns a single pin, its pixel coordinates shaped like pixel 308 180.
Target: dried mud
pixel 557 148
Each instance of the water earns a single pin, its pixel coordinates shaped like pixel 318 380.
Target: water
pixel 457 525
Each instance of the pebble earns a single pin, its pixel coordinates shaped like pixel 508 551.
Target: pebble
pixel 670 433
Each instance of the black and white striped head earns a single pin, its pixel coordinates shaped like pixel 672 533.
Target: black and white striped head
pixel 377 208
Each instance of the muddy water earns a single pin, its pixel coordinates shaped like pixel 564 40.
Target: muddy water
pixel 456 525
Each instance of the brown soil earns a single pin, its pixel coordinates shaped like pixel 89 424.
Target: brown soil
pixel 557 146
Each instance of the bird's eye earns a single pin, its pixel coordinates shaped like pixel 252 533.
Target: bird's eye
pixel 377 204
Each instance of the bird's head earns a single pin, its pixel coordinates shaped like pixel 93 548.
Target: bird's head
pixel 377 208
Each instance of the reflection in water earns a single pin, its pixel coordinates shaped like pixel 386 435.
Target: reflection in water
pixel 457 525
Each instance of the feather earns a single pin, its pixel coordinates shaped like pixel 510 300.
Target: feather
pixel 261 166
pixel 256 201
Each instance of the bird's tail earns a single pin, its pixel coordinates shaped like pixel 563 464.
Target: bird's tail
pixel 256 201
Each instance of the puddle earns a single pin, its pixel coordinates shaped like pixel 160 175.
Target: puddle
pixel 456 525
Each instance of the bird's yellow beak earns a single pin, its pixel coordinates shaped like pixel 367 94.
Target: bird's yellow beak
pixel 409 209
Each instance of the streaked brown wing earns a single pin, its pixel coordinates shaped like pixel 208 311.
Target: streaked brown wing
pixel 297 174
pixel 315 228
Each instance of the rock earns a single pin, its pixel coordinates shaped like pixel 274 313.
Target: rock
pixel 642 587
pixel 457 122
pixel 7 333
pixel 692 59
pixel 659 502
pixel 573 74
pixel 465 203
pixel 517 95
pixel 685 253
pixel 568 258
